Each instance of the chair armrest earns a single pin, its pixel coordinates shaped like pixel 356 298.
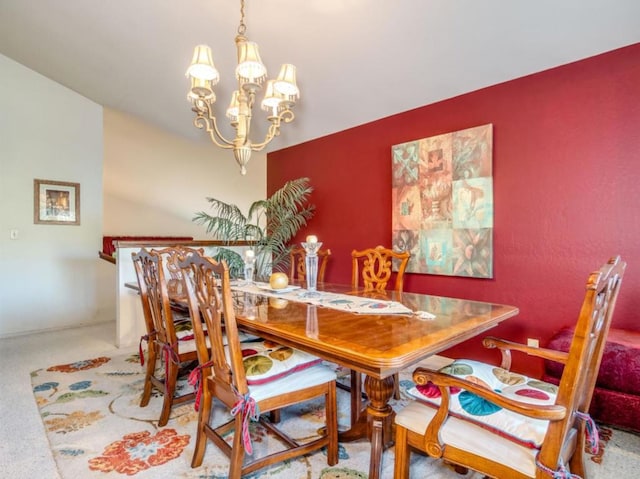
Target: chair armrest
pixel 505 348
pixel 433 442
pixel 550 412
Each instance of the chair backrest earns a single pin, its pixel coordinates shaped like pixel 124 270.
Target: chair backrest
pixel 170 256
pixel 209 297
pixel 156 290
pixel 374 267
pixel 298 265
pixel 583 361
pixel 154 295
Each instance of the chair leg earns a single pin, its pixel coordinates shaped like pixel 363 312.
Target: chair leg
pixel 401 466
pixel 170 379
pixel 331 418
pixel 201 437
pixel 237 450
pixel 274 416
pixel 151 369
pixel 576 462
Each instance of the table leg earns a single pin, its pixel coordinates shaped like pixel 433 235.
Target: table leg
pixel 380 420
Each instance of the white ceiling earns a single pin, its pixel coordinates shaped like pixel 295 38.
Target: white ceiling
pixel 357 60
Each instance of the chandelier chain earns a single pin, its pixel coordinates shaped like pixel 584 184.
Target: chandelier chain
pixel 242 28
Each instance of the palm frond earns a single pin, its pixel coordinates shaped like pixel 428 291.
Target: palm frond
pixel 271 223
pixel 234 261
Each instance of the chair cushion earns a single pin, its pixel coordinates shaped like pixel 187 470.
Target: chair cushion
pixel 266 361
pixel 468 436
pixel 465 405
pixel 312 376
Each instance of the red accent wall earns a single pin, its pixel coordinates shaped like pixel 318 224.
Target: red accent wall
pixel 566 181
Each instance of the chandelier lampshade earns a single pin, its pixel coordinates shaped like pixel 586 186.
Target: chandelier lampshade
pixel 234 107
pixel 272 99
pixel 201 88
pixel 250 68
pixel 202 66
pixel 279 98
pixel 286 81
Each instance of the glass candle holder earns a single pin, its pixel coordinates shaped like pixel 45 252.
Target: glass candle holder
pixel 249 308
pixel 249 266
pixel 311 263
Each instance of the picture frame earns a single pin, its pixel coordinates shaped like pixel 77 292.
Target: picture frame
pixel 56 202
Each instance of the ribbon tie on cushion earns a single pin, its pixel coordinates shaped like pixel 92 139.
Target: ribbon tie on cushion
pixel 592 439
pixel 195 379
pixel 590 432
pixel 169 355
pixel 146 338
pixel 560 473
pixel 246 406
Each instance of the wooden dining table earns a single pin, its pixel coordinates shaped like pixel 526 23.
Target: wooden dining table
pixel 378 345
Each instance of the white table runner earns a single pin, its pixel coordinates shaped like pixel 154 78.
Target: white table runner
pixel 343 302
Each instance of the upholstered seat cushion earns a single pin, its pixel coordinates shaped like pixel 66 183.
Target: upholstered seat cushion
pixel 266 361
pixel 470 437
pixel 313 375
pixel 525 431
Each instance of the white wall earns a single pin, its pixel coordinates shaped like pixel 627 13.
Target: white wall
pixel 49 275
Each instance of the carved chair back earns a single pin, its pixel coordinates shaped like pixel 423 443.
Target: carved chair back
pixel 207 288
pixel 585 354
pixel 373 268
pixel 154 295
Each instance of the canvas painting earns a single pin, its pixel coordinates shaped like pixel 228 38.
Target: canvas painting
pixel 442 197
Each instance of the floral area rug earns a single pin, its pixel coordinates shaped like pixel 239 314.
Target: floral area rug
pixel 97 429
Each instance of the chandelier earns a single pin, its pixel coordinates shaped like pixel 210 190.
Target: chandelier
pixel 279 97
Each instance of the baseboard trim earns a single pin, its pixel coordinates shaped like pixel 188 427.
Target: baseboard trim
pixel 57 328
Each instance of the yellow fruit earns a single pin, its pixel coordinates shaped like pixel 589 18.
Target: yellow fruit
pixel 278 281
pixel 278 303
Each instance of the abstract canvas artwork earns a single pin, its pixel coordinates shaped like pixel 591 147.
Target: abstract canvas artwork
pixel 442 197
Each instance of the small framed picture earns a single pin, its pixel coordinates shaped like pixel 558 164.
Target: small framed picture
pixel 56 202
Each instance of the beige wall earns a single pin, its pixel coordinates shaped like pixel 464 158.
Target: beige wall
pixel 135 178
pixel 154 181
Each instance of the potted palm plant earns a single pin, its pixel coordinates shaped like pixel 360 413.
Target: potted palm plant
pixel 269 225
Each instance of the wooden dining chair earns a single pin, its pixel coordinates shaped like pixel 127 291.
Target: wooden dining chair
pixel 250 379
pixel 372 270
pixel 169 334
pixel 298 265
pixel 504 424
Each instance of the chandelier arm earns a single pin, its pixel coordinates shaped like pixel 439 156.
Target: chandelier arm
pixel 285 116
pixel 210 125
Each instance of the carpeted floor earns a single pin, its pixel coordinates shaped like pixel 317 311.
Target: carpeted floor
pixel 97 429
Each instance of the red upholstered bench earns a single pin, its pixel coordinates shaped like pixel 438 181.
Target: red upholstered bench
pixel 616 398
